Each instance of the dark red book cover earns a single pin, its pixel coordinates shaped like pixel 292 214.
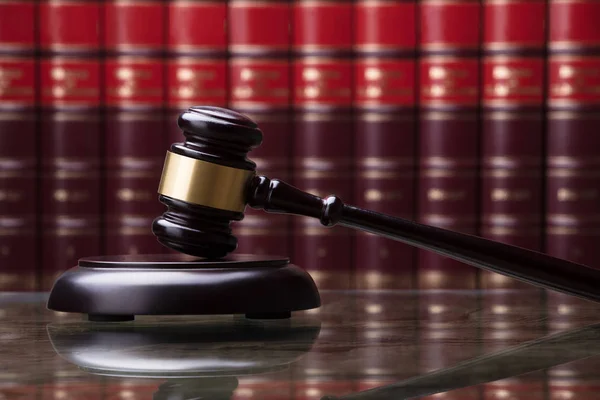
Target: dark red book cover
pixel 322 37
pixel 196 51
pixel 573 101
pixel 448 190
pixel 260 87
pixel 512 136
pixel 135 137
pixel 18 147
pixel 71 130
pixel 385 136
pixel 196 60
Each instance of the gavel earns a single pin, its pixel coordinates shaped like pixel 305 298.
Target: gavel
pixel 208 180
pixel 206 184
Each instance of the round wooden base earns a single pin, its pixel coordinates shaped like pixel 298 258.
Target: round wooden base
pixel 117 288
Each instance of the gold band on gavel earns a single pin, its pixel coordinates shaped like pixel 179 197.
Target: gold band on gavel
pixel 204 183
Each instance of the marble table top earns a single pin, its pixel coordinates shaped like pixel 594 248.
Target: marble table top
pixel 467 345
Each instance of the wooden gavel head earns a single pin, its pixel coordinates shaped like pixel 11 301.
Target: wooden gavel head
pixel 204 181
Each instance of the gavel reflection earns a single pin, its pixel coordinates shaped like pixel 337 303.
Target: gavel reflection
pixel 203 359
pixel 208 181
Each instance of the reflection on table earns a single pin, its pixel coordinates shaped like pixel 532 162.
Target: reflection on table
pixel 356 341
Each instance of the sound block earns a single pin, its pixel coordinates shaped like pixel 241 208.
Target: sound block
pixel 117 288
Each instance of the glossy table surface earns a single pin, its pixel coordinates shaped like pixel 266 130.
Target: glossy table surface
pixel 503 344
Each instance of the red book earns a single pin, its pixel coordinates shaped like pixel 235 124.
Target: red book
pixel 196 59
pixel 385 136
pixel 323 133
pixel 135 136
pixel 260 87
pixel 448 190
pixel 573 101
pixel 512 134
pixel 70 141
pixel 196 63
pixel 18 144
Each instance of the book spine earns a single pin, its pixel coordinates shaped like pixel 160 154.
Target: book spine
pixel 448 132
pixel 70 82
pixel 573 104
pixel 385 135
pixel 573 171
pixel 260 87
pixel 323 133
pixel 18 146
pixel 196 59
pixel 512 137
pixel 134 135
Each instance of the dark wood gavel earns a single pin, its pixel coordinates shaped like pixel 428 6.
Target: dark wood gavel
pixel 208 181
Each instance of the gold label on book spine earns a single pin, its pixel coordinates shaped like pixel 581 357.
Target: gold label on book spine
pixel 567 194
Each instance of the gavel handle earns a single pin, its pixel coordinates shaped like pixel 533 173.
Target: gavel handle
pixel 536 268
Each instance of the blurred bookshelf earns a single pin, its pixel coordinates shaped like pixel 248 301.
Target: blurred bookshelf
pixel 476 116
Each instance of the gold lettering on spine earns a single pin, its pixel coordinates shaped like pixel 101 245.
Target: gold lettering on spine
pixel 508 81
pixel 65 82
pixel 127 194
pixel 377 81
pixel 378 195
pixel 128 82
pixel 7 76
pixel 443 82
pixel 443 195
pixel 10 196
pixel 577 77
pixel 191 82
pixel 567 194
pixel 260 84
pixel 509 195
pixel 63 195
pixel 316 80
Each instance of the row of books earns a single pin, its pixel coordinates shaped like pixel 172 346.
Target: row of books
pixel 474 116
pixel 365 341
